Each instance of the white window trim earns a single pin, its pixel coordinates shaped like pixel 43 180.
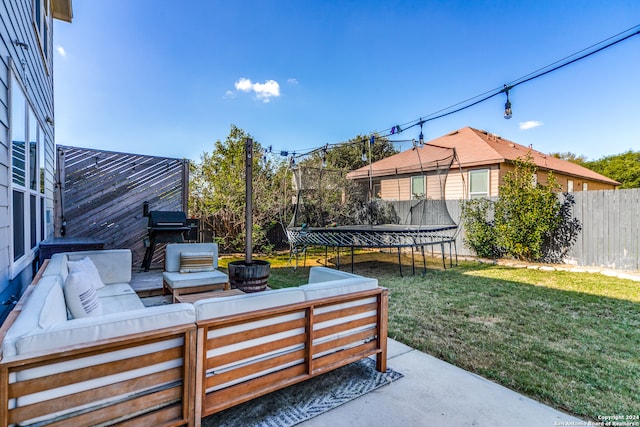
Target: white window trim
pixel 18 265
pixel 484 193
pixel 424 187
pixel 43 32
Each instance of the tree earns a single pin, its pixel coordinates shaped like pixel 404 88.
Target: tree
pixel 348 156
pixel 217 188
pixel 624 168
pixel 328 197
pixel 571 157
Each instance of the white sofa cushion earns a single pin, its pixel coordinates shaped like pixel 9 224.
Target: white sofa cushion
pixel 90 329
pixel 115 289
pixel 186 280
pixel 325 274
pixel 338 287
pixel 114 265
pixel 88 269
pixel 81 296
pixel 120 303
pixel 57 266
pixel 172 253
pixel 219 307
pixel 53 309
pixel 31 315
pixel 196 262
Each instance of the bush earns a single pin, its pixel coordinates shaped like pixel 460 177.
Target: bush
pixel 529 222
pixel 480 231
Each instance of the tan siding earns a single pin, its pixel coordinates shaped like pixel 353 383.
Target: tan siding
pixel 396 188
pixel 494 181
pixel 456 185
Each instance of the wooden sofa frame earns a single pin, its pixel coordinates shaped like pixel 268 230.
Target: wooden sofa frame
pixel 308 361
pixel 185 400
pixel 160 399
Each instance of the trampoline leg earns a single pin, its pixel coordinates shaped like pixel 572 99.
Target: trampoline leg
pixel 326 249
pixel 338 257
pixel 413 263
pixel 450 257
pixel 305 258
pixel 424 262
pixel 399 262
pixel 351 259
pixel 444 263
pixel 455 248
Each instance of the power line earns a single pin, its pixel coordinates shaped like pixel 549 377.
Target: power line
pixel 475 100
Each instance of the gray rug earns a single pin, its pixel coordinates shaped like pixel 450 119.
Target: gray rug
pixel 300 402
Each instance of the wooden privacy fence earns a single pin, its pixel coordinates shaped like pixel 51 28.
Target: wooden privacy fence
pixel 101 195
pixel 610 235
pixel 610 229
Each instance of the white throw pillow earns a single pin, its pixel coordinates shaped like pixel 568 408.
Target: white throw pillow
pixel 89 269
pixel 81 296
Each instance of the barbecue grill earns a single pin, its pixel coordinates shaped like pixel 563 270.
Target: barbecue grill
pixel 164 227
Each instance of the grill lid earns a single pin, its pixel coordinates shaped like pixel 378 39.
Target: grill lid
pixel 174 220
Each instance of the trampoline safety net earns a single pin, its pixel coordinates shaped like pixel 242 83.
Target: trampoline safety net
pixel 375 206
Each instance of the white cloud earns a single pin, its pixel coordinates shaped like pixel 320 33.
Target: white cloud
pixel 264 91
pixel 61 51
pixel 292 81
pixel 530 124
pixel 244 85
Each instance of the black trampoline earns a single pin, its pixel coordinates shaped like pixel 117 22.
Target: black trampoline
pixel 338 210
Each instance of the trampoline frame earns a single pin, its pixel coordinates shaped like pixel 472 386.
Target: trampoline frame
pixel 375 237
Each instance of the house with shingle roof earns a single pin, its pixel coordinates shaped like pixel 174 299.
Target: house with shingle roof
pixel 482 160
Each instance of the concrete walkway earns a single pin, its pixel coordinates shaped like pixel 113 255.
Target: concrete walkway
pixel 436 393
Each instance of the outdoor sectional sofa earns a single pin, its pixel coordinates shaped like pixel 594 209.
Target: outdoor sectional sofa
pixel 175 363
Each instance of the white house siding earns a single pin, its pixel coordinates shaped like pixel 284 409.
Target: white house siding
pixel 36 77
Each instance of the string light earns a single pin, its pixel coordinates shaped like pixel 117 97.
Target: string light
pixel 507 105
pixel 364 152
pixel 421 137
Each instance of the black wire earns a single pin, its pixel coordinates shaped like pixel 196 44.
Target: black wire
pixel 520 80
pixel 492 93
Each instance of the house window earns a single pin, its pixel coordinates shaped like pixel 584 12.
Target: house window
pixel 417 187
pixel 570 185
pixel 41 24
pixel 27 185
pixel 478 183
pixel 585 186
pixel 377 191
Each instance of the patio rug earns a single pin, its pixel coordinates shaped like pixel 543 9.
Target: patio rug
pixel 303 401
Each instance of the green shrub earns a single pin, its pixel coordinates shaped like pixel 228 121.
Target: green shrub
pixel 529 222
pixel 480 231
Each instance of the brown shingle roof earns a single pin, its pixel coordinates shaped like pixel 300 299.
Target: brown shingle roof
pixel 475 148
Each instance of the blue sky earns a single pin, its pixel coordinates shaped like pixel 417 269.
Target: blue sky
pixel 169 78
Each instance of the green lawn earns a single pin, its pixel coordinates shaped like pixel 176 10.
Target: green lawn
pixel 570 340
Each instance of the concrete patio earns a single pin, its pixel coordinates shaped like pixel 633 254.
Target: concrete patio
pixel 436 393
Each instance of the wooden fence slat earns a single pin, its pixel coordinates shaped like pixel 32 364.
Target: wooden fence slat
pixel 103 193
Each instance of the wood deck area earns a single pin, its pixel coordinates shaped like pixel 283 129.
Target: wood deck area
pixel 146 283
